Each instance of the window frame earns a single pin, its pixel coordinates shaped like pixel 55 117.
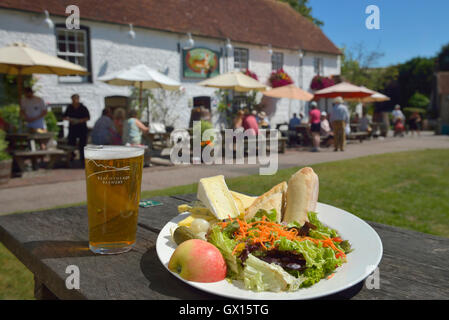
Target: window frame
pixel 240 49
pixel 87 54
pixel 318 66
pixel 275 62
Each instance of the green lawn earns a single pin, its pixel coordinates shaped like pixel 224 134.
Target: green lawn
pixel 407 189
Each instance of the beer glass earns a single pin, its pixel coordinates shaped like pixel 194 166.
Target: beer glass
pixel 113 179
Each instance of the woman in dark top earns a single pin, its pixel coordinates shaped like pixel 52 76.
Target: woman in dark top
pixel 413 122
pixel 77 115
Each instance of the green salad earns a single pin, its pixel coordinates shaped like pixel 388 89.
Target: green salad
pixel 271 256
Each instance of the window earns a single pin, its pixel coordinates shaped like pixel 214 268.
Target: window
pixel 318 66
pixel 277 60
pixel 73 46
pixel 240 58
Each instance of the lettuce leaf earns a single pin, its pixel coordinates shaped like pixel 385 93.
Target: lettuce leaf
pixel 226 245
pixel 259 275
pixel 320 261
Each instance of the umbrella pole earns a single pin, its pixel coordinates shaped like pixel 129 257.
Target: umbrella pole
pixel 19 92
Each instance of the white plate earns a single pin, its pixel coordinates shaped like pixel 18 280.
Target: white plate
pixel 360 263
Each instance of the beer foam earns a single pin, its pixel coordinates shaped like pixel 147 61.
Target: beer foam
pixel 95 152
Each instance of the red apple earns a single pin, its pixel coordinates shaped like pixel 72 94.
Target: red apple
pixel 198 260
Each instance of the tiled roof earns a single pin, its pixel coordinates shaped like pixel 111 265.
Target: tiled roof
pixel 259 22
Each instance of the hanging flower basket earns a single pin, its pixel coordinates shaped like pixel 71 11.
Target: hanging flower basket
pixel 279 78
pixel 320 82
pixel 251 74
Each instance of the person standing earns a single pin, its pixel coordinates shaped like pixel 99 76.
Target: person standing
pixel 315 126
pixel 339 117
pixel 414 122
pixel 132 131
pixel 77 114
pixel 33 110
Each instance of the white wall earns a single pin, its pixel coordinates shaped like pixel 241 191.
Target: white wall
pixel 112 49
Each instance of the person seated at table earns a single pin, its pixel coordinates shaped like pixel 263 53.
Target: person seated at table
pixel 325 130
pixel 250 123
pixel 33 110
pixel 119 117
pixel 133 129
pixel 104 128
pixel 77 114
pixel 365 123
pixel 238 120
pixel 263 120
pixel 294 121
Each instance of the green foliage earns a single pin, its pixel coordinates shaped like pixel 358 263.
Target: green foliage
pixel 443 58
pixel 415 75
pixel 418 100
pixel 357 67
pixel 11 114
pixel 8 87
pixel 303 7
pixel 204 125
pixel 3 145
pixel 51 122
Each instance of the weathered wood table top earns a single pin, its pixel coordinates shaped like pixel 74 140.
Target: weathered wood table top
pixel 414 265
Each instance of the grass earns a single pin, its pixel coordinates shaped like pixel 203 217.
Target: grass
pixel 406 189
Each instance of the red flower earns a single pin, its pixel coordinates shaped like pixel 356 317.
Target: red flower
pixel 251 74
pixel 319 82
pixel 279 78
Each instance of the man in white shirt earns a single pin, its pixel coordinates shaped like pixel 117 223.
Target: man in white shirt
pixel 33 110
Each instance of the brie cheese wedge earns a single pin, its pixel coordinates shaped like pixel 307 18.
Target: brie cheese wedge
pixel 215 195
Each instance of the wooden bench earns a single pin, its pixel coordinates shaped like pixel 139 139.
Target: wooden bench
pixel 54 154
pixel 358 136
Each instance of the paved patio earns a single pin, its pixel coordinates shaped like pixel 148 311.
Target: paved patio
pixel 66 186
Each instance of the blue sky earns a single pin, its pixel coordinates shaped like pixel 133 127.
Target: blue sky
pixel 408 28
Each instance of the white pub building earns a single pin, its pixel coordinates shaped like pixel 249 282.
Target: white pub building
pixel 259 35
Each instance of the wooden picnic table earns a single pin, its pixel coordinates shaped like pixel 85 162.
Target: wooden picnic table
pixel 414 265
pixel 26 146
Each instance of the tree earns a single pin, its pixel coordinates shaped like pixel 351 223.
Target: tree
pixel 304 9
pixel 357 67
pixel 418 100
pixel 415 75
pixel 443 58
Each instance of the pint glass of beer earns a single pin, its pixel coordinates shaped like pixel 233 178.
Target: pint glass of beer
pixel 113 178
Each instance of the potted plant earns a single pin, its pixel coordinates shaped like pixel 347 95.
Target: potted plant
pixel 5 160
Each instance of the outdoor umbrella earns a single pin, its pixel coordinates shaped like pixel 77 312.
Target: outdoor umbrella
pixel 290 92
pixel 234 80
pixel 374 97
pixel 19 59
pixel 142 77
pixel 345 90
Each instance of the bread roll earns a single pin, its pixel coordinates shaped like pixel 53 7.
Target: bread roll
pixel 302 195
pixel 272 199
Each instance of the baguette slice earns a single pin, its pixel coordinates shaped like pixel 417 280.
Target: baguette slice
pixel 272 199
pixel 302 195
